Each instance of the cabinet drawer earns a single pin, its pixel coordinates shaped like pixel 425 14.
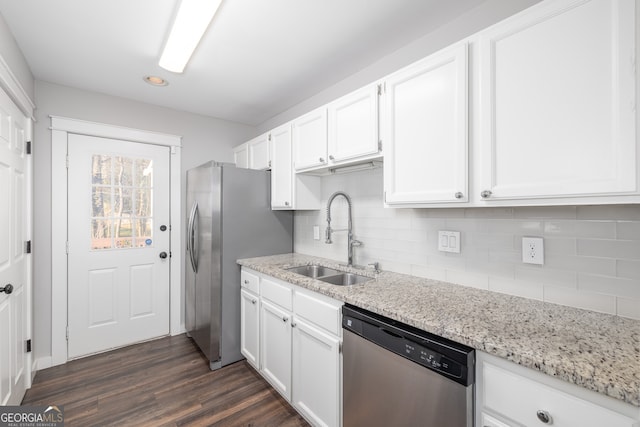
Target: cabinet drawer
pixel 277 293
pixel 320 311
pixel 250 281
pixel 520 399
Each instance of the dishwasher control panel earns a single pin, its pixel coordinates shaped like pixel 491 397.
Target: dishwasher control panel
pixel 453 360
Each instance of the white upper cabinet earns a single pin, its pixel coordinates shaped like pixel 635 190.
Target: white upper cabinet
pixel 260 152
pixel 425 124
pixel 353 125
pixel 310 140
pixel 557 109
pixel 289 190
pixel 281 168
pixel 241 155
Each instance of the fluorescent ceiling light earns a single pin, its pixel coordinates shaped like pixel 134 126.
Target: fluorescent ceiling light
pixel 192 20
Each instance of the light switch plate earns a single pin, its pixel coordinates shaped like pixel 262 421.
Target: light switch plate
pixel 449 241
pixel 533 250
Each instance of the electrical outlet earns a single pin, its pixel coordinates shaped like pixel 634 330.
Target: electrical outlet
pixel 449 241
pixel 316 232
pixel 533 250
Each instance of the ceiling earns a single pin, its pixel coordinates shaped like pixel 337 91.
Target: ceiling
pixel 257 59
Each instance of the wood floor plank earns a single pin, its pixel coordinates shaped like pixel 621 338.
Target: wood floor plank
pixel 166 382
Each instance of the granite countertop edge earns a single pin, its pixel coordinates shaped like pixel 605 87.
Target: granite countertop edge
pixel 596 351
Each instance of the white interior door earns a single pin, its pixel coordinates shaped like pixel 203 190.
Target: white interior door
pixel 118 243
pixel 13 265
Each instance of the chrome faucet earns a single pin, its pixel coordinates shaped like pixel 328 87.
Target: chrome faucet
pixel 351 242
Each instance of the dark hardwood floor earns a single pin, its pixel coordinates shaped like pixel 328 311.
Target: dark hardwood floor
pixel 166 382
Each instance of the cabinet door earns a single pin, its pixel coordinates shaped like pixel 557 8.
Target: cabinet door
pixel 249 327
pixel 275 352
pixel 353 125
pixel 260 153
pixel 241 156
pixel 310 140
pixel 426 130
pixel 316 374
pixel 558 102
pixel 281 168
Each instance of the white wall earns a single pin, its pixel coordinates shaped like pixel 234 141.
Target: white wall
pixel 203 138
pixel 483 16
pixel 12 56
pixel 592 253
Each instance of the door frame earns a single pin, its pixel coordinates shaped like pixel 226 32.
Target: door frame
pixel 60 128
pixel 13 87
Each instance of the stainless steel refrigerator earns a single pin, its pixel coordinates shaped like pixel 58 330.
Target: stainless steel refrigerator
pixel 230 217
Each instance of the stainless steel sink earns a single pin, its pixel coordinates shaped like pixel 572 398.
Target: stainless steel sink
pixel 345 279
pixel 329 275
pixel 314 271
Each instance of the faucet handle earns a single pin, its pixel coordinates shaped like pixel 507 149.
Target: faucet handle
pixel 375 265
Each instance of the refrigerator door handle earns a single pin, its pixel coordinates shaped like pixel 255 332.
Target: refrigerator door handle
pixel 192 231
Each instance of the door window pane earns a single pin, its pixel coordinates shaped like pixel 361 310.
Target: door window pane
pixel 121 197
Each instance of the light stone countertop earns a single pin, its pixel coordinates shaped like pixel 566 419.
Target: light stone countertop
pixel 599 352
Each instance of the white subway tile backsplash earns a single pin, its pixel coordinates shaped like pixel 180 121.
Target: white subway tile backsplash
pixel 520 288
pixel 585 300
pixel 628 268
pixel 610 212
pixel 616 286
pixel 592 253
pixel 628 230
pixel 628 307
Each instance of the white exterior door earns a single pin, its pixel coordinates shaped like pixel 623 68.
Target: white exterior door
pixel 118 243
pixel 13 263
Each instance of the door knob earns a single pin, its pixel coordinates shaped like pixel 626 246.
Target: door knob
pixel 7 289
pixel 163 255
pixel 163 227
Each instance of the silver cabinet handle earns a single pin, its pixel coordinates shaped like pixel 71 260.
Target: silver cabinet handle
pixel 544 416
pixel 459 195
pixel 321 159
pixel 485 194
pixel 331 157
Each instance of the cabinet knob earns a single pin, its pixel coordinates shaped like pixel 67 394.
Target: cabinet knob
pixel 286 203
pixel 544 416
pixel 459 195
pixel 253 301
pixel 284 319
pixel 7 289
pixel 293 325
pixel 321 159
pixel 485 194
pixel 331 157
pixel 246 282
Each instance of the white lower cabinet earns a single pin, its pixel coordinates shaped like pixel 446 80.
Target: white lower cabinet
pixel 275 334
pixel 249 334
pixel 509 395
pixel 316 374
pixel 299 334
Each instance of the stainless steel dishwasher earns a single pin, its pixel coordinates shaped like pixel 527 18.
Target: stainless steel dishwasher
pixel 397 375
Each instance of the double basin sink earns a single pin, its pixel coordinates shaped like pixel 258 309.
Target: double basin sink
pixel 329 275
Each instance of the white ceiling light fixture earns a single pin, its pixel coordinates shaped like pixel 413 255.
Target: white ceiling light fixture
pixel 192 20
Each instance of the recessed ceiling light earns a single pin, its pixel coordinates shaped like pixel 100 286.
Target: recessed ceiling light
pixel 155 80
